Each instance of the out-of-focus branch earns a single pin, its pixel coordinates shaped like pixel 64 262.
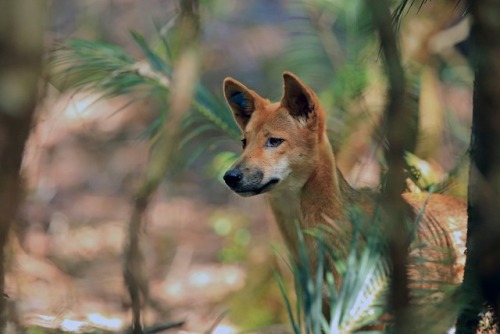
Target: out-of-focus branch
pixel 182 90
pixel 21 36
pixel 400 129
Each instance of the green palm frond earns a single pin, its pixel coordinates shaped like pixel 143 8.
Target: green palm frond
pixel 94 65
pixel 309 287
pixel 157 63
pixel 215 111
pixel 109 71
pixel 305 53
pixel 327 48
pixel 360 299
pixel 325 36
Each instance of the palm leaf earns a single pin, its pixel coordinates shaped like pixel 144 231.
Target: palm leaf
pixel 109 71
pixel 305 54
pixel 80 63
pixel 156 62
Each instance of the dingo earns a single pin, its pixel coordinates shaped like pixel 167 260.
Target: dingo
pixel 287 155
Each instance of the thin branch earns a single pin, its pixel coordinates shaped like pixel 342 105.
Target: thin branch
pixel 182 90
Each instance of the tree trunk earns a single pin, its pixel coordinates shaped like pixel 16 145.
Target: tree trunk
pixel 482 270
pixel 21 32
pixel 400 126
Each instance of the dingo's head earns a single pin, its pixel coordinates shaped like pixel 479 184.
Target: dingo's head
pixel 280 140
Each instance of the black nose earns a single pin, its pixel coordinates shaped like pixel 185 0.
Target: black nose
pixel 233 177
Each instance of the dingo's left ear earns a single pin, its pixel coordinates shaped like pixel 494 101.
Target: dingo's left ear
pixel 243 101
pixel 299 99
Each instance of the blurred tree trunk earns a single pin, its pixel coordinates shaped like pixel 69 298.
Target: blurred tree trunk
pixel 482 272
pixel 21 32
pixel 401 130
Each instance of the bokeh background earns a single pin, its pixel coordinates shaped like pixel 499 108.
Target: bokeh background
pixel 209 255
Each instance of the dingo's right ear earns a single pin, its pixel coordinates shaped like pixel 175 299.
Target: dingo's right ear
pixel 241 100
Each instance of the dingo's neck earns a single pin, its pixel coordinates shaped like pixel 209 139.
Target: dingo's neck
pixel 320 201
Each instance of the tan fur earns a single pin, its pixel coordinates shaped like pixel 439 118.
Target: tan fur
pixel 303 184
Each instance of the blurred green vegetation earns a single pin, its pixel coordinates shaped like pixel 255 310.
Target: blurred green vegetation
pixel 234 229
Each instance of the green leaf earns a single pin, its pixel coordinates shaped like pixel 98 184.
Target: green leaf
pixel 153 58
pixel 295 326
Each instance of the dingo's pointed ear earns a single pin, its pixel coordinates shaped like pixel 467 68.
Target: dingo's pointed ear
pixel 299 99
pixel 241 100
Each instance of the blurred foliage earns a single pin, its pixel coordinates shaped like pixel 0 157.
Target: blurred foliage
pixel 220 164
pixel 233 228
pixel 259 304
pixel 333 48
pixel 329 44
pixel 329 48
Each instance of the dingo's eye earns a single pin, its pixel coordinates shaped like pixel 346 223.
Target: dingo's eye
pixel 274 142
pixel 243 143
